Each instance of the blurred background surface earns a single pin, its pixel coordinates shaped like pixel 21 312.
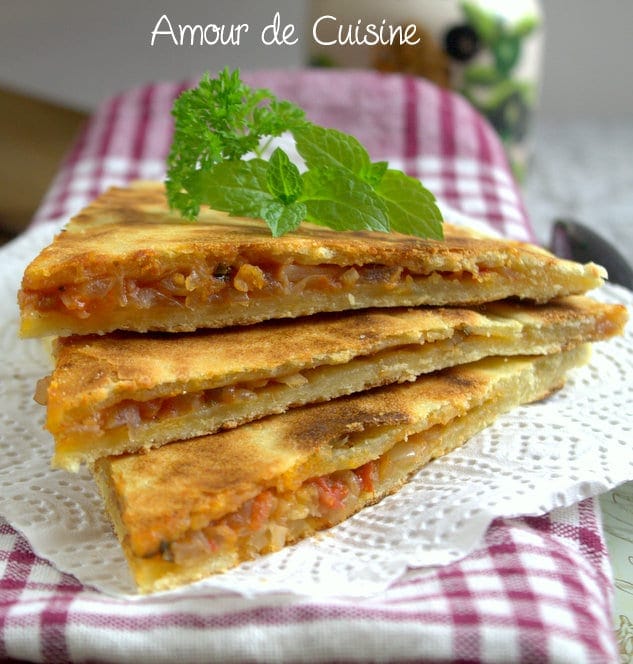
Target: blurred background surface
pixel 76 52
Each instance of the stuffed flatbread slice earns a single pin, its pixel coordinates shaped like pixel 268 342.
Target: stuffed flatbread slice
pixel 199 507
pixel 123 393
pixel 126 262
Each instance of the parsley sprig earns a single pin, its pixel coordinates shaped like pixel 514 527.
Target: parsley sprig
pixel 222 129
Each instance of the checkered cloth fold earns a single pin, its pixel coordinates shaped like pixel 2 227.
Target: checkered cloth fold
pixel 537 589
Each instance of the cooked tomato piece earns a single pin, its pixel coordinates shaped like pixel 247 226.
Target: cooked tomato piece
pixel 367 475
pixel 332 491
pixel 261 508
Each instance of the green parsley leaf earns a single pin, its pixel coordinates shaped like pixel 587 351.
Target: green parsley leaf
pixel 221 119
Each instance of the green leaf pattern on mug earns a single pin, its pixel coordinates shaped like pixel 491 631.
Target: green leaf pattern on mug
pixel 492 86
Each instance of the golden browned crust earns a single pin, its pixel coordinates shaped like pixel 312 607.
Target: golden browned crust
pixel 202 479
pixel 166 494
pixel 332 355
pixel 133 227
pixel 129 233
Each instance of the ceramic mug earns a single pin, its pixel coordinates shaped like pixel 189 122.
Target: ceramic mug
pixel 489 51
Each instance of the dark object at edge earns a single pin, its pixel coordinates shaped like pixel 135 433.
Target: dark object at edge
pixel 575 241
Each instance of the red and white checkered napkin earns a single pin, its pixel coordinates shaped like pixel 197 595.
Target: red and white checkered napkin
pixel 538 589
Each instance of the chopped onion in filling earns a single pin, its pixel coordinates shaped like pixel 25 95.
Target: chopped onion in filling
pixel 269 520
pixel 204 283
pixel 133 414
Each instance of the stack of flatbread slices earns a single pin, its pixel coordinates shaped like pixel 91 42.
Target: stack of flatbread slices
pixel 233 393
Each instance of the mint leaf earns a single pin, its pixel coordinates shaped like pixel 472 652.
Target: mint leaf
pixel 372 175
pixel 326 148
pixel 219 123
pixel 237 187
pixel 412 208
pixel 323 148
pixel 283 218
pixel 338 199
pixel 283 177
pixel 241 188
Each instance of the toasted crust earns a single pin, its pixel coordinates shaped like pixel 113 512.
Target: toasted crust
pixel 134 227
pixel 164 495
pixel 129 233
pixel 331 355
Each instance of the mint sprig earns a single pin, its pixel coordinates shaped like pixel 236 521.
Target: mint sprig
pixel 335 198
pixel 222 122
